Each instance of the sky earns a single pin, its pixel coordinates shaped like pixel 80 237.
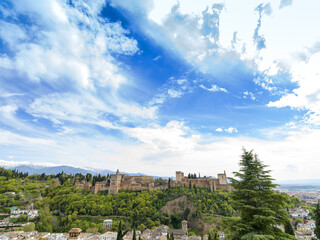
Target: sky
pixel 158 86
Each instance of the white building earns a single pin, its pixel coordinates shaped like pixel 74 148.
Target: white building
pixel 31 213
pixel 107 224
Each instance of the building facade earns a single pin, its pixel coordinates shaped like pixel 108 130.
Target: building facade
pixel 120 181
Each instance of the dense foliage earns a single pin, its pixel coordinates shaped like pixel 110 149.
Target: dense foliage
pixel 317 220
pixel 140 208
pixel 260 208
pixel 62 206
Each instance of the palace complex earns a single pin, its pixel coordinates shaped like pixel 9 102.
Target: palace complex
pixel 120 181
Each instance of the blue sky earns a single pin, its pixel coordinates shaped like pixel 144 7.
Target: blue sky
pixel 158 86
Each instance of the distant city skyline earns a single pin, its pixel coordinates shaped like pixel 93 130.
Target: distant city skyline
pixel 158 86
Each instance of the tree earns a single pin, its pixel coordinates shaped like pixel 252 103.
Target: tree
pixel 30 227
pixel 121 233
pixel 134 236
pixel 259 206
pixel 317 221
pixel 92 230
pixel 288 228
pixel 298 220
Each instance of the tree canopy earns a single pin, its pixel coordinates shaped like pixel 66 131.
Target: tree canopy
pixel 260 207
pixel 317 220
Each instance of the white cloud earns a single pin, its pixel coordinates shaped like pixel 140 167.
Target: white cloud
pixel 86 108
pixel 227 130
pixel 247 94
pixel 60 49
pixel 285 3
pixel 174 93
pixel 307 95
pixel 12 34
pixel 66 54
pixel 231 130
pixel 163 150
pixel 18 141
pixel 214 88
pixel 173 137
pixel 8 118
pixel 205 35
pixel 156 58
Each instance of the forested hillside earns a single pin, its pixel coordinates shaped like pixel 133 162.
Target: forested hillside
pixel 62 206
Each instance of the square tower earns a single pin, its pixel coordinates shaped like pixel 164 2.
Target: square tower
pixel 179 176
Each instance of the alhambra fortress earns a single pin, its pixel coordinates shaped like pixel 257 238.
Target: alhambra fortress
pixel 120 181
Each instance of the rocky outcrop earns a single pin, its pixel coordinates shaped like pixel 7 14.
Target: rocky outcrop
pixel 185 208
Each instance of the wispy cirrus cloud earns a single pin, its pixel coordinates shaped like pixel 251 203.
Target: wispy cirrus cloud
pixel 214 88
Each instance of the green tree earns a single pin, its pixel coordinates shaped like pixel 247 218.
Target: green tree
pixel 317 220
pixel 92 230
pixel 134 236
pixel 298 220
pixel 260 208
pixel 288 228
pixel 141 227
pixel 121 232
pixel 30 227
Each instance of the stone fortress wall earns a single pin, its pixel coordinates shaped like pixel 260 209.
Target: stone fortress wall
pixel 120 181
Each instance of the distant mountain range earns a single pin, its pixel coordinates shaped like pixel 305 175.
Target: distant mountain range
pixel 309 182
pixel 32 169
pixel 39 169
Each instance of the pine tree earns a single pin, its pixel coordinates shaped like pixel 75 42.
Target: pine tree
pixel 260 208
pixel 317 221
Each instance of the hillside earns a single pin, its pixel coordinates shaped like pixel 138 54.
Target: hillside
pixel 64 206
pixel 61 206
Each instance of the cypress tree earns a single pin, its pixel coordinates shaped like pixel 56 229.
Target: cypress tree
pixel 172 236
pixel 134 236
pixel 215 237
pixel 317 221
pixel 259 206
pixel 121 233
pixel 288 228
